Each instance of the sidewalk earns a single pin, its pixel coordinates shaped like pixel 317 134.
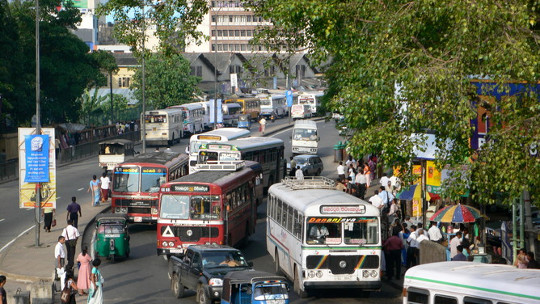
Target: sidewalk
pixel 31 268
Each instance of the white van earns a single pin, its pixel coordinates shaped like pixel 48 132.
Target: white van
pixel 304 139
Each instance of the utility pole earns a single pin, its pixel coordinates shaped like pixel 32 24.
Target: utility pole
pixel 37 207
pixel 143 119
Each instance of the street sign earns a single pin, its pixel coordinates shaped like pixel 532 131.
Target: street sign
pixel 289 96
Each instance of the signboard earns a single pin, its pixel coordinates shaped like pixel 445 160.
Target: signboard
pixel 343 209
pixel 190 188
pixel 212 106
pixel 417 207
pixel 37 165
pixel 433 178
pixel 340 220
pixel 234 81
pixel 289 97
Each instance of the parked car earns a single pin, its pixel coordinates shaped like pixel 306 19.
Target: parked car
pixel 202 269
pixel 310 164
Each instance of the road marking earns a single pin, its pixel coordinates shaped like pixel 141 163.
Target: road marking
pixel 1 220
pixel 18 236
pixel 80 189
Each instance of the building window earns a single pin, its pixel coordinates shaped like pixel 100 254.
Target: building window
pixel 231 33
pixel 193 68
pixel 123 82
pixel 243 33
pixel 213 32
pixel 248 18
pixel 213 19
pixel 230 18
pixel 213 47
pixel 225 47
pixel 237 33
pixel 243 47
pixel 249 33
pixel 199 71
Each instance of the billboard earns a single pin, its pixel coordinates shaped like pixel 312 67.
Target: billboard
pixel 37 164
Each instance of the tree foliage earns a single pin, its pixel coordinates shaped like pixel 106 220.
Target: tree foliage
pixel 429 50
pixel 168 81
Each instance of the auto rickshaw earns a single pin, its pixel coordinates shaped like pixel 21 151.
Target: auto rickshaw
pixel 244 121
pixel 256 287
pixel 112 152
pixel 111 236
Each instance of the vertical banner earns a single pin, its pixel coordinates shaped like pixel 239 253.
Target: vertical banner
pixel 417 207
pixel 234 83
pixel 212 107
pixel 433 178
pixel 37 164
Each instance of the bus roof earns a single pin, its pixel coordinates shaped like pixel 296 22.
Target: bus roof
pixel 163 111
pixel 479 277
pixel 240 99
pixel 243 144
pixel 227 132
pixel 160 158
pixel 303 123
pixel 188 106
pixel 219 177
pixel 309 200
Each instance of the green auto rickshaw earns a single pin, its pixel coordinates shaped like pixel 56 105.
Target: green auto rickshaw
pixel 111 236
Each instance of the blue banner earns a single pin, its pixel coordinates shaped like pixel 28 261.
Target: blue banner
pixel 289 97
pixel 37 158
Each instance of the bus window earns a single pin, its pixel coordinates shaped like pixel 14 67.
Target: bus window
pixel 440 299
pixel 126 182
pixel 279 217
pixel 362 232
pixel 152 178
pixel 417 296
pixel 207 157
pixel 175 207
pixel 323 233
pixel 471 300
pixel 289 218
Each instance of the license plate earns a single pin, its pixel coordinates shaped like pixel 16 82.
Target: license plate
pixel 137 219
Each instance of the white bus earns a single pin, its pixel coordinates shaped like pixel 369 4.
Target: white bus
pixel 321 237
pixel 193 117
pixel 468 283
pixel 163 127
pixel 301 111
pixel 304 138
pixel 231 112
pixel 268 151
pixel 313 99
pixel 273 104
pixel 218 135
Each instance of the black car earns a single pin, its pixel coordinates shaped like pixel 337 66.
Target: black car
pixel 202 269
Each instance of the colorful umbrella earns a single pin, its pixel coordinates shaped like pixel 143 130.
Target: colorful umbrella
pixel 414 192
pixel 457 214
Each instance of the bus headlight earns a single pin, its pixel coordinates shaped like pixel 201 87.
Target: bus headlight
pixel 215 282
pixel 365 273
pixel 374 273
pixel 171 244
pixel 311 274
pixel 319 274
pixel 164 244
pixel 154 210
pixel 120 210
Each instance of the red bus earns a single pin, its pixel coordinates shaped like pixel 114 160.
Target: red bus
pixel 136 183
pixel 212 206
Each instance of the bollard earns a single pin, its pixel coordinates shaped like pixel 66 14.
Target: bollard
pixel 22 297
pixel 337 153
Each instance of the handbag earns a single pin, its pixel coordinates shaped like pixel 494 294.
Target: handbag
pixel 65 295
pixel 53 223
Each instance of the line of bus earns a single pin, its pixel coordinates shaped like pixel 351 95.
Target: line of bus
pixel 217 135
pixel 313 99
pixel 163 127
pixel 135 184
pixel 321 237
pixel 214 206
pixel 268 151
pixel 250 106
pixel 193 117
pixel 470 283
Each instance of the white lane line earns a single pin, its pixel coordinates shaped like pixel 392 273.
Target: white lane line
pixel 18 236
pixel 1 220
pixel 80 189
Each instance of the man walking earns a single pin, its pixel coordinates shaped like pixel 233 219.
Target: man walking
pixel 392 247
pixel 262 124
pixel 71 234
pixel 434 233
pixel 105 183
pixel 73 212
pixel 60 259
pixel 341 171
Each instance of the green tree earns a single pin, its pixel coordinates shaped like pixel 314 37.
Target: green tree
pixel 429 49
pixel 107 64
pixel 168 81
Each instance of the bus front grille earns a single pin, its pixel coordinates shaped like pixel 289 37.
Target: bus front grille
pixel 194 234
pixel 342 264
pixel 138 209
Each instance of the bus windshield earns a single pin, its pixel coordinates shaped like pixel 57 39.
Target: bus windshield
pixel 152 178
pixel 183 207
pixel 351 231
pixel 304 134
pixel 126 179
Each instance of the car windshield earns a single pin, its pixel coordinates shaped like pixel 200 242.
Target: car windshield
pixel 301 161
pixel 224 259
pixel 304 134
pixel 267 291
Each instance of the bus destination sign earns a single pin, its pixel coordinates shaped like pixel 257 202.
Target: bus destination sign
pixel 208 137
pixel 121 170
pixel 343 209
pixel 189 188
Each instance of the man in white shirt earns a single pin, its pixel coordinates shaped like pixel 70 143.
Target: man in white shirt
pixel 456 241
pixel 299 174
pixel 384 180
pixel 434 233
pixel 376 200
pixel 341 171
pixel 386 197
pixel 421 237
pixel 71 234
pixel 60 258
pixel 412 251
pixel 105 183
pixel 318 232
pixel 360 182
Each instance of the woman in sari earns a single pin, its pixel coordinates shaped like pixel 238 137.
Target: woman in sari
pixel 96 191
pixel 95 293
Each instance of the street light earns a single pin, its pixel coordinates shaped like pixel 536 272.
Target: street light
pixel 37 207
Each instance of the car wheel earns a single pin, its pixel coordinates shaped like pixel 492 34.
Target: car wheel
pixel 202 297
pixel 177 287
pixel 319 172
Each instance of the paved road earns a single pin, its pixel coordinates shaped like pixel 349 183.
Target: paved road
pixel 143 277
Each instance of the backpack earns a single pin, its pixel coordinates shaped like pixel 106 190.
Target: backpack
pixel 65 295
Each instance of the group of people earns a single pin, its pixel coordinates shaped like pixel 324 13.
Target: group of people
pixel 526 259
pixel 99 189
pixel 296 171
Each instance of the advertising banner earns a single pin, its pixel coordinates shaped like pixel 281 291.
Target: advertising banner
pixel 433 178
pixel 37 166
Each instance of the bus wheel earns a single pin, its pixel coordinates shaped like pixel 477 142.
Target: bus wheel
pixel 277 269
pixel 297 289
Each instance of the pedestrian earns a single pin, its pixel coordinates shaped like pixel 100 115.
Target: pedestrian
pixel 454 242
pixel 105 185
pixel 341 171
pixel 293 163
pixel 83 278
pixel 421 236
pixel 340 186
pixel 404 235
pixel 412 252
pixel 521 259
pixel 367 173
pixel 73 212
pixel 434 233
pixel 459 256
pixel 95 189
pixel 360 182
pixel 352 180
pixel 3 295
pixel 60 259
pixel 372 163
pixel 376 200
pixel 48 216
pixel 532 264
pixel 293 171
pixel 384 180
pixel 262 125
pixel 392 248
pixel 299 174
pixel 71 234
pixel 69 283
pixel 95 293
pixel 394 212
